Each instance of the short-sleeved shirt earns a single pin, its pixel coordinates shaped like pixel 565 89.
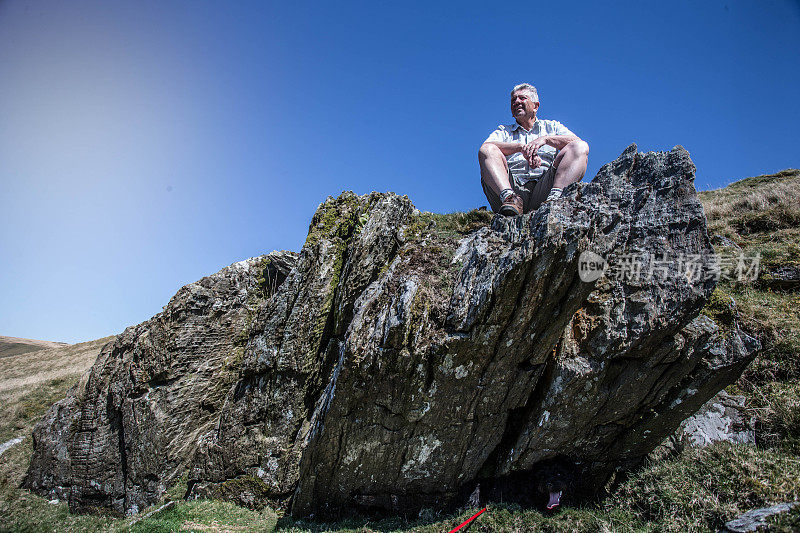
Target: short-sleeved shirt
pixel 514 133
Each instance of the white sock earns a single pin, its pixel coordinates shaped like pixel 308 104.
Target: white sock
pixel 555 194
pixel 505 193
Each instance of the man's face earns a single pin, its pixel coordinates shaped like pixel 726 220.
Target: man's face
pixel 522 105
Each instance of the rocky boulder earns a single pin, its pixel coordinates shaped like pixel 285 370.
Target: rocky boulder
pixel 403 359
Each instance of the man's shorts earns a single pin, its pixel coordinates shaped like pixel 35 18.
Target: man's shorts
pixel 533 193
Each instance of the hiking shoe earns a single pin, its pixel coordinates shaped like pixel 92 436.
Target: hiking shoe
pixel 512 206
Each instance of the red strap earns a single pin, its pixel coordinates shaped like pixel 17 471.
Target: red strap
pixel 473 517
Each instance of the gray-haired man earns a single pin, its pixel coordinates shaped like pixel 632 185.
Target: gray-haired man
pixel 531 161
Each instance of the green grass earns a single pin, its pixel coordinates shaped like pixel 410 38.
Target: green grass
pixel 207 515
pixel 496 518
pixel 773 317
pixel 701 489
pixel 776 409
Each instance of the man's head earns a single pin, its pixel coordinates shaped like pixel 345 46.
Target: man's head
pixel 524 101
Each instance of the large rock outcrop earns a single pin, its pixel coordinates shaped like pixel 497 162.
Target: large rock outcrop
pixel 402 359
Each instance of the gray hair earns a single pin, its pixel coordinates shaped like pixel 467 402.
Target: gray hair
pixel 526 87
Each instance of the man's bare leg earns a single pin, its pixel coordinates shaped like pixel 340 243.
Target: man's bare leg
pixel 570 164
pixel 494 168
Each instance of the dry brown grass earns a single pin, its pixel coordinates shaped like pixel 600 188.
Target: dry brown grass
pixel 752 205
pixel 26 370
pixel 728 202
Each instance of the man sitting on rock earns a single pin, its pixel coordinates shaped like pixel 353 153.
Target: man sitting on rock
pixel 531 161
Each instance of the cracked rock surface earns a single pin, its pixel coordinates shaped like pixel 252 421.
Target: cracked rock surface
pixel 402 358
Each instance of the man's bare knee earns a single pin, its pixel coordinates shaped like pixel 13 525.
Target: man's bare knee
pixel 489 151
pixel 578 148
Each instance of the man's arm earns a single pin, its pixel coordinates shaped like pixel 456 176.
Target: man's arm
pixel 507 148
pixel 529 150
pixel 512 148
pixel 558 141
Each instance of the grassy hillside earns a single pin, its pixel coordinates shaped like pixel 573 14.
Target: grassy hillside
pixel 761 216
pixel 695 490
pixel 14 346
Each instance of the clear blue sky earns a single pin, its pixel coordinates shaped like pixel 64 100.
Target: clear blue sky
pixel 144 145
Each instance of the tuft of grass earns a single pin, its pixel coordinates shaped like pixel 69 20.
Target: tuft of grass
pixel 774 318
pixel 776 409
pixel 758 214
pixel 247 491
pixel 721 308
pixel 446 227
pixel 460 223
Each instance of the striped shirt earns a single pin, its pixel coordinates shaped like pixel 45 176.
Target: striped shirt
pixel 514 133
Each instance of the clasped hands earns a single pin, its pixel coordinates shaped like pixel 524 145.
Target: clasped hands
pixel 529 151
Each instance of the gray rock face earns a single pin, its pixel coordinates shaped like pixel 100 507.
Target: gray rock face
pixel 400 360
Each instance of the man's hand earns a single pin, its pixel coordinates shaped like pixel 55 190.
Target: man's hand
pixel 530 149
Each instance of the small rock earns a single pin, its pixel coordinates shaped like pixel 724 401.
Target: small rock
pixel 752 520
pixel 785 278
pixel 9 443
pixel 723 418
pixel 724 242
